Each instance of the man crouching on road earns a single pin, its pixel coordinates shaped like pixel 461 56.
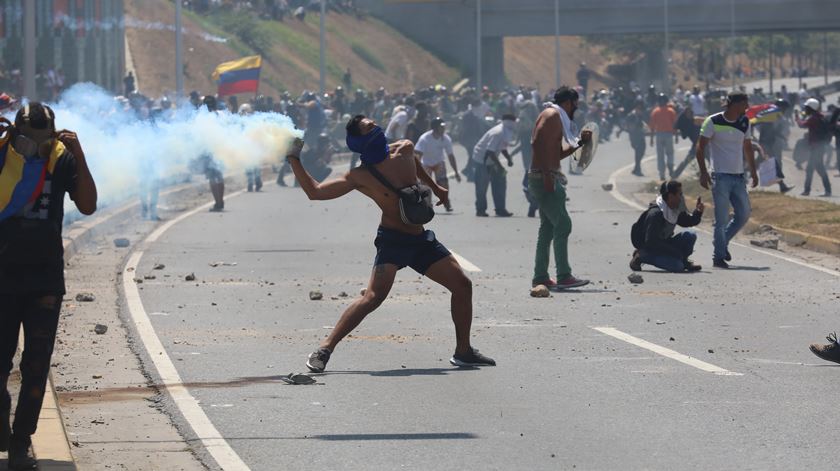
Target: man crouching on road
pixel 653 234
pixel 39 165
pixel 397 244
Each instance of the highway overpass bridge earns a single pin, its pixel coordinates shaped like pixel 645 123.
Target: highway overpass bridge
pixel 449 28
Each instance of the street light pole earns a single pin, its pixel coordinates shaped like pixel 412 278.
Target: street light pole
pixel 771 63
pixel 322 77
pixel 478 63
pixel 666 84
pixel 825 56
pixel 179 52
pixel 557 43
pixel 732 39
pixel 29 90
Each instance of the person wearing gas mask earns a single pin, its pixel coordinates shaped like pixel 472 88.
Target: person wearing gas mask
pixel 554 138
pixel 39 166
pixel 433 148
pixel 653 234
pixel 488 168
pixel 400 240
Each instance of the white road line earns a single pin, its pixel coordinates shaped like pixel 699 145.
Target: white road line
pixel 620 197
pixel 666 352
pixel 466 264
pixel 210 437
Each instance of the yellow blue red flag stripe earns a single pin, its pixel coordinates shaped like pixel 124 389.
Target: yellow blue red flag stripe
pixel 239 76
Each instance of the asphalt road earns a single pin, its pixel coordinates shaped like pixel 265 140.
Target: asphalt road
pixel 564 395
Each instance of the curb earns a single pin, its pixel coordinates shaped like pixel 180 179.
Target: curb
pixel 801 239
pixel 50 443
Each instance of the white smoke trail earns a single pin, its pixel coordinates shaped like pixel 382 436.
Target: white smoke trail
pixel 131 22
pixel 121 150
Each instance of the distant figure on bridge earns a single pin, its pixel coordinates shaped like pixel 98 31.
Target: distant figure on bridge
pixel 553 140
pixel 400 240
pixel 653 234
pixel 726 137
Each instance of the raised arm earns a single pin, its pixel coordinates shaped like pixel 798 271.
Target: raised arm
pixel 84 194
pixel 328 190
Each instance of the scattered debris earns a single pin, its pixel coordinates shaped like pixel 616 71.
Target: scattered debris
pixel 635 278
pixel 100 329
pixel 190 277
pixel 660 322
pixel 540 291
pixel 159 266
pixel 138 280
pixel 122 243
pixel 85 297
pixel 97 376
pixel 607 186
pixel 222 264
pixel 711 351
pixel 672 339
pixel 343 294
pixel 298 378
pixel 770 243
pixel 316 295
pixel 149 277
pixel 362 291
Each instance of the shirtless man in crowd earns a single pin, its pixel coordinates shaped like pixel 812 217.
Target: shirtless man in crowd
pixel 398 244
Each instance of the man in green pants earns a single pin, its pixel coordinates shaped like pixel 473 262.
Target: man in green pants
pixel 553 140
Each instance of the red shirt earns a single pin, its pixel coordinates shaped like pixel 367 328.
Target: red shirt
pixel 662 119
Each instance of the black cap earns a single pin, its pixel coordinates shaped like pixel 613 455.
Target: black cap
pixel 438 122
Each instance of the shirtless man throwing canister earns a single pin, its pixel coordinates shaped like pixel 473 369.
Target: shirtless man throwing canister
pixel 398 244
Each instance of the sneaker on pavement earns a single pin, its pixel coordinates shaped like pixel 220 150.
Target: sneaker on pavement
pixel 720 263
pixel 318 359
pixel 503 214
pixel 728 256
pixel 636 261
pixel 571 282
pixel 829 352
pixel 481 214
pixel 472 358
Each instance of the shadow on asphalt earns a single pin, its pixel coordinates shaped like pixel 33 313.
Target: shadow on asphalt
pixel 745 268
pixel 395 436
pixel 403 372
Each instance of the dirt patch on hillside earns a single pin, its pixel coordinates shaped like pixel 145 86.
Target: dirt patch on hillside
pixel 376 54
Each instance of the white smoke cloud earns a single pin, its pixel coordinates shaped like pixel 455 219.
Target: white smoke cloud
pixel 121 149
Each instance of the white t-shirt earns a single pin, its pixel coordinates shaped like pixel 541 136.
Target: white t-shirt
pixel 494 140
pixel 698 104
pixel 726 142
pixel 397 126
pixel 434 150
pixel 480 111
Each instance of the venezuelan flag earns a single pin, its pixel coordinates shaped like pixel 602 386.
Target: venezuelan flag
pixel 766 113
pixel 22 180
pixel 239 76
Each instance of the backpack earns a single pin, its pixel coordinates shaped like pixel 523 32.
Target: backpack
pixel 825 131
pixel 415 200
pixel 637 231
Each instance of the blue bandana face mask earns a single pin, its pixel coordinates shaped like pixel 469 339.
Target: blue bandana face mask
pixel 373 146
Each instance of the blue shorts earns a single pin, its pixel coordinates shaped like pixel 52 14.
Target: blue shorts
pixel 419 251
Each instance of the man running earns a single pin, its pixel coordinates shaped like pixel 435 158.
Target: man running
pixel 727 136
pixel 553 140
pixel 433 148
pixel 398 244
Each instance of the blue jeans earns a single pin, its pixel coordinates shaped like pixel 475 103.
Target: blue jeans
pixel 683 242
pixel 665 151
pixel 729 188
pixel 496 179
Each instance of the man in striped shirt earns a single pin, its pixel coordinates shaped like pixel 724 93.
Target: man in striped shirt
pixel 727 137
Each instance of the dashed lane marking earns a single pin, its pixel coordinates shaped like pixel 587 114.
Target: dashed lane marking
pixel 210 437
pixel 666 352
